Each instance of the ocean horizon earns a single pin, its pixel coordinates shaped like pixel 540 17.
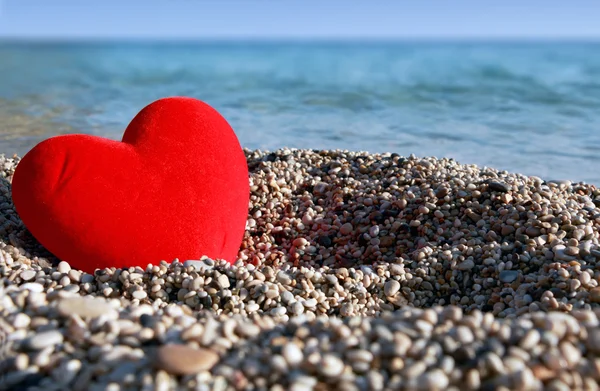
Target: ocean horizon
pixel 528 107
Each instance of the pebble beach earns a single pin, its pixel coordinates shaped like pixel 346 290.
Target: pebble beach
pixel 357 271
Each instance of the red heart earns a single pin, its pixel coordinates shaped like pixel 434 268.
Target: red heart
pixel 176 186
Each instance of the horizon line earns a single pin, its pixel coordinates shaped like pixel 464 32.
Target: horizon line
pixel 491 38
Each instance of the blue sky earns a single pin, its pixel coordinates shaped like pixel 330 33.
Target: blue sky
pixel 299 19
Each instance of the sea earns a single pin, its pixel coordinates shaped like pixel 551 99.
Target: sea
pixel 522 106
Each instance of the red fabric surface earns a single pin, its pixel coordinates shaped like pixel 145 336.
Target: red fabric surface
pixel 175 187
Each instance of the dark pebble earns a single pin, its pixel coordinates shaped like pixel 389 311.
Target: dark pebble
pixel 147 321
pixel 324 241
pixel 498 186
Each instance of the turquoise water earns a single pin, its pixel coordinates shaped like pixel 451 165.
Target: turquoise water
pixel 532 108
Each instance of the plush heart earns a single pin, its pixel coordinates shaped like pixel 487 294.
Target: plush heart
pixel 176 186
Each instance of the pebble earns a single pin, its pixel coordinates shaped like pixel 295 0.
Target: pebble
pixel 28 275
pixel 297 308
pixel 331 366
pixel 346 229
pixel 508 276
pixel 292 354
pixel 223 281
pixel 63 267
pixel 139 295
pixel 33 287
pixel 374 231
pixel 74 275
pixel 530 340
pixel 44 340
pixel 464 335
pixel 391 287
pixel 85 307
pixel 498 186
pixel 466 265
pixel 286 297
pixel 21 321
pixel 310 303
pixel 434 380
pixel 184 360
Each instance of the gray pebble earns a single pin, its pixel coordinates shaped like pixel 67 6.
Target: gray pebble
pixel 391 287
pixel 43 340
pixel 508 276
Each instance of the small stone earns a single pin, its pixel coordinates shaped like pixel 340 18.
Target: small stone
pixel 434 380
pixel 87 278
pixel 139 295
pixel 387 241
pixel 346 229
pixel 570 353
pixel 530 340
pixel 593 340
pixel 74 275
pixel 292 354
pixel 63 267
pixel 494 363
pixel 43 340
pixel 278 311
pixel 347 309
pixel 507 230
pixel 310 303
pixel 320 188
pixel 498 186
pixel 508 276
pixel 331 366
pixel 297 308
pixel 85 307
pixel 184 360
pixel 441 192
pixel 532 231
pixel 324 241
pixel 21 362
pixel 467 264
pixel 300 242
pixel 223 281
pixel 67 371
pixel 423 210
pixel 506 198
pixel 33 287
pixel 578 234
pixel 287 297
pixel 391 287
pixel 464 335
pixel 27 275
pixel 572 250
pixel 595 295
pixel 283 278
pixel 542 372
pixel 21 321
pixel 374 231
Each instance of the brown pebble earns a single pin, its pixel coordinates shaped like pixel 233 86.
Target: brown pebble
pixel 542 372
pixel 595 295
pixel 184 360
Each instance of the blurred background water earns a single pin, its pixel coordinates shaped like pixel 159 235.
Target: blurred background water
pixel 526 107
